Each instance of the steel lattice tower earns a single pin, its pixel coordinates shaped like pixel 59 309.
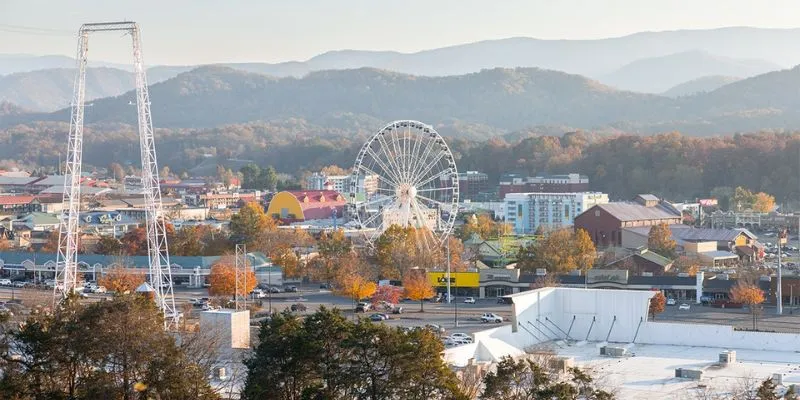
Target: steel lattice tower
pixel 158 251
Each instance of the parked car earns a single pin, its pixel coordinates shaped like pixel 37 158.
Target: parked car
pixel 491 317
pixel 99 289
pixel 298 307
pixel 290 289
pixel 684 306
pixel 208 307
pixel 503 300
pixel 435 328
pixel 397 310
pixel 363 307
pixel 326 286
pixel 258 294
pixel 462 336
pixel 377 317
pixel 671 302
pixel 5 282
pixel 469 300
pixel 457 341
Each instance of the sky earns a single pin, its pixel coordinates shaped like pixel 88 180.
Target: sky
pixel 180 32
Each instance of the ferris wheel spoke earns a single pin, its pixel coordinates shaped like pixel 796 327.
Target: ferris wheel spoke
pixel 388 171
pixel 441 173
pixel 415 149
pixel 436 189
pixel 421 161
pixel 372 219
pixel 442 205
pixel 387 199
pixel 424 228
pixel 429 167
pixel 389 158
pixel 397 155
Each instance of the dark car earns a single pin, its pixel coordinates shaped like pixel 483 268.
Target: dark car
pixel 298 307
pixel 397 310
pixel 290 289
pixel 326 286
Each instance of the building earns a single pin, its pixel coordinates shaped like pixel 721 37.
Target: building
pixel 605 222
pixel 304 205
pixel 526 212
pixel 713 246
pixel 568 183
pixel 611 333
pixel 643 261
pixel 185 271
pixel 472 185
pixel 367 184
pixel 11 205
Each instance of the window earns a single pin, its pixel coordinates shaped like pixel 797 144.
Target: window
pixel 596 213
pixel 566 211
pixel 519 210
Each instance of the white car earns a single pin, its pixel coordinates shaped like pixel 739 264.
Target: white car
pixel 683 306
pixel 670 302
pixel 491 317
pixel 99 289
pixel 469 300
pixel 258 294
pixel 5 282
pixel 462 337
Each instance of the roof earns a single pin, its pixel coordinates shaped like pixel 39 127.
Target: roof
pixel 11 200
pixel 16 180
pixel 662 280
pixel 185 262
pixel 691 234
pixel 648 197
pixel 309 197
pixel 718 254
pixel 654 258
pixel 625 211
pixel 106 218
pixel 39 218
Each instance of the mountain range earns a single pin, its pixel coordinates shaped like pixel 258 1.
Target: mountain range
pixel 649 62
pixel 494 101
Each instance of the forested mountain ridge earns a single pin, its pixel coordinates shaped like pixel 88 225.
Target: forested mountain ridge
pixel 699 85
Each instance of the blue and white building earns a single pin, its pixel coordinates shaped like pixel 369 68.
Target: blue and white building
pixel 526 212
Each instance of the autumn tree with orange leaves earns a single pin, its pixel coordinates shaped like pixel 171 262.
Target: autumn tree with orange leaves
pixel 285 257
pixel 749 294
pixel 418 287
pixel 657 304
pixel 222 278
pixel 121 280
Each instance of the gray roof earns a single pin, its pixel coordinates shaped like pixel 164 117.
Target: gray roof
pixel 636 212
pixel 16 258
pixel 14 180
pixel 648 197
pixel 685 233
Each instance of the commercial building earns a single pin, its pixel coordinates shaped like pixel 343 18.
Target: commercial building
pixel 472 185
pixel 611 333
pixel 567 183
pixel 605 222
pixel 367 184
pixel 295 206
pixel 526 212
pixel 10 205
pixel 713 246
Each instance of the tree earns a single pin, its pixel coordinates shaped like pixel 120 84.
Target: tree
pixel 354 286
pixel 749 294
pixel 51 246
pixel 121 280
pixel 164 172
pixel 116 171
pixel 396 251
pixel 334 251
pixel 763 203
pixel 660 241
pixel 189 241
pixel 334 170
pixel 767 390
pixel 325 356
pixel 107 349
pixel 250 175
pixel 249 222
pixel 108 245
pixel 561 251
pixel 657 304
pixel 484 226
pixel 387 293
pixel 134 242
pixel 222 279
pixel 417 287
pixel 526 379
pixel 285 257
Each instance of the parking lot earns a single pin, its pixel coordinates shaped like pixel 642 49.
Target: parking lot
pixel 738 318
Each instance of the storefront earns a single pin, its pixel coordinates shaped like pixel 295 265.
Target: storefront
pixel 462 284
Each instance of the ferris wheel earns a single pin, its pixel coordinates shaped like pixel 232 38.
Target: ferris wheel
pixel 405 175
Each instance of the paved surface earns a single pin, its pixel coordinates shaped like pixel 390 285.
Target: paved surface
pixel 740 318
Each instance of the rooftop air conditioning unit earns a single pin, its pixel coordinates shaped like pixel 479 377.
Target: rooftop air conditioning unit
pixel 777 379
pixel 686 373
pixel 727 357
pixel 220 373
pixel 612 351
pixel 562 364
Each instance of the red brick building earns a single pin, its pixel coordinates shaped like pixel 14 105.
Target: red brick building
pixel 604 222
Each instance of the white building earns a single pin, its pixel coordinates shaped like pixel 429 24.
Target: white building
pixel 610 333
pixel 367 184
pixel 528 211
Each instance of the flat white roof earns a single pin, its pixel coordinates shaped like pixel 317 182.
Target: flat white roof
pixel 648 372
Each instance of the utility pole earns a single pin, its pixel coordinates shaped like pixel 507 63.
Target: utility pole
pixel 447 249
pixel 779 292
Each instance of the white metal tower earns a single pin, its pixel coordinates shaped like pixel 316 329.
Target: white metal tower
pixel 158 252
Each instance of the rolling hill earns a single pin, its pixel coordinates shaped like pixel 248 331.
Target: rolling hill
pixel 505 99
pixel 658 74
pixel 700 85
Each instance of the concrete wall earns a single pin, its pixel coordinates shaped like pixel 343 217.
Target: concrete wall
pixel 230 327
pixel 724 336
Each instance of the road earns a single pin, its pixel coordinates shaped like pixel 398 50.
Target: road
pixel 738 318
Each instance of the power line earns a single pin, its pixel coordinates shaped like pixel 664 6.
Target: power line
pixel 30 30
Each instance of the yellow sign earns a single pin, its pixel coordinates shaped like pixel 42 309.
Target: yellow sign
pixel 457 279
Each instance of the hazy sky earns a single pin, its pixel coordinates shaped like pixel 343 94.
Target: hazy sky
pixel 205 31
